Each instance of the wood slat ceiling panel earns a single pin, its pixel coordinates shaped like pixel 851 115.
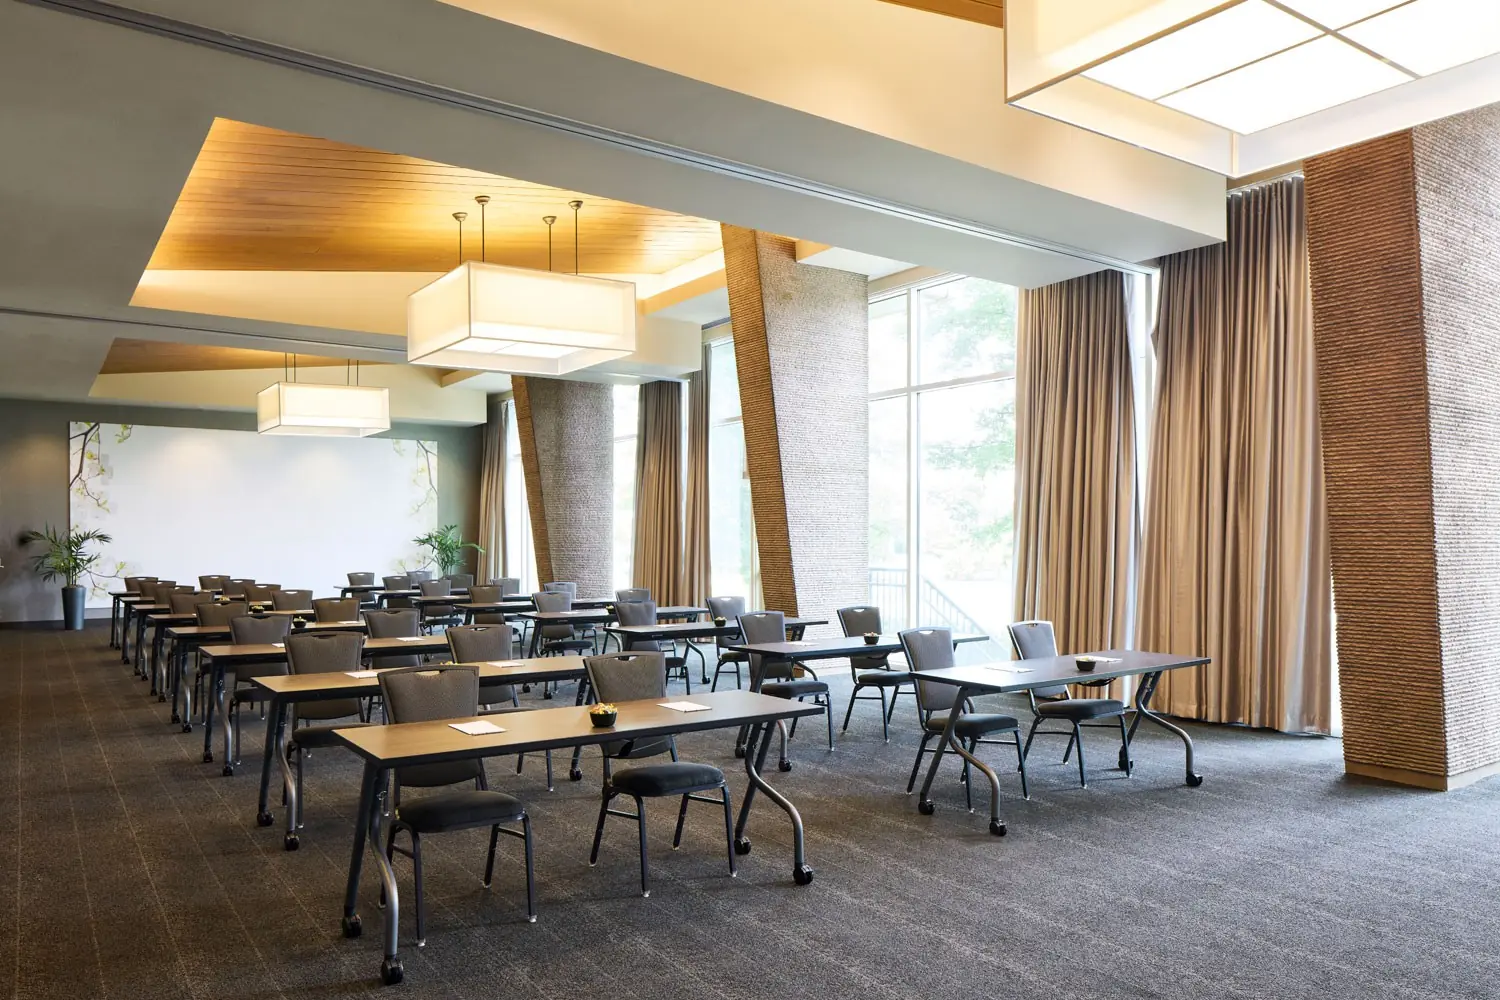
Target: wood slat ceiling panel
pixel 130 357
pixel 991 12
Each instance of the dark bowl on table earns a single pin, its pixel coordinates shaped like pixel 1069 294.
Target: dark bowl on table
pixel 1085 663
pixel 603 720
pixel 720 622
pixel 871 638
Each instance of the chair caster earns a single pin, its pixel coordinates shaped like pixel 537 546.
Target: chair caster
pixel 208 756
pixel 783 765
pixel 1194 780
pixel 926 807
pixel 742 845
pixel 290 842
pixel 997 828
pixel 187 727
pixel 264 819
pixel 391 971
pixel 546 695
pixel 352 926
pixel 161 699
pixel 739 753
pixel 228 770
pixel 175 718
pixel 802 875
pixel 574 774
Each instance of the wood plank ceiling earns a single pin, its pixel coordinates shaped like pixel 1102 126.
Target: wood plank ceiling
pixel 991 12
pixel 130 357
pixel 261 199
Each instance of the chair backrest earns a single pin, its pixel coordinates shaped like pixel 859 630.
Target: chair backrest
pixel 322 653
pixel 508 585
pixel 402 582
pixel 460 581
pixel 484 595
pixel 393 623
pixel 547 600
pixel 764 626
pixel 133 583
pixel 729 609
pixel 435 588
pixel 630 676
pixel 159 590
pixel 220 612
pixel 292 600
pixel 250 630
pixel 859 619
pixel 236 588
pixel 633 594
pixel 642 612
pixel 1034 640
pixel 336 609
pixel 212 582
pixel 186 604
pixel 418 575
pixel 571 589
pixel 479 643
pixel 930 649
pixel 429 694
pixel 361 579
pixel 260 593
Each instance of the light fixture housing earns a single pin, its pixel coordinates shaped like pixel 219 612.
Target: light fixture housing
pixel 322 409
pixel 1246 85
pixel 512 319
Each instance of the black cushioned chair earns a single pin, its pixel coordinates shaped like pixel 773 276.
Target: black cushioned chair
pixel 361 579
pixel 643 612
pixel 729 609
pixel 633 676
pixel 932 649
pixel 558 638
pixel 426 694
pixel 247 630
pixel 778 678
pixel 481 643
pixel 437 614
pixel 871 672
pixel 336 609
pixel 633 594
pixel 319 653
pixel 1036 640
pixel 395 623
pixel 292 600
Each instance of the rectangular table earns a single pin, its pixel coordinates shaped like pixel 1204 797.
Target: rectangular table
pixel 688 631
pixel 594 616
pixel 286 690
pixel 1011 676
pixel 386 747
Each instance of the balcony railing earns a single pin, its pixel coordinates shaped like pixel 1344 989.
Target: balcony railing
pixel 888 592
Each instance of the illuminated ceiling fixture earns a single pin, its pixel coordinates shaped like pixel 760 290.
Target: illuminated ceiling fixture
pixel 514 319
pixel 1244 85
pixel 349 410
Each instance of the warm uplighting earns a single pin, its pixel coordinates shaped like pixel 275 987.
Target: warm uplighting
pixel 316 408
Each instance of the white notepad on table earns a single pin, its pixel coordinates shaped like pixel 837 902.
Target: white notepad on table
pixel 685 706
pixel 477 728
pixel 412 638
pixel 362 674
pixel 503 663
pixel 279 645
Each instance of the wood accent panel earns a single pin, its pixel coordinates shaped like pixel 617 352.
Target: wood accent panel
pixel 991 12
pixel 531 468
pixel 262 199
pixel 131 357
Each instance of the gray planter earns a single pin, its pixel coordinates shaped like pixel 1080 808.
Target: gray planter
pixel 72 598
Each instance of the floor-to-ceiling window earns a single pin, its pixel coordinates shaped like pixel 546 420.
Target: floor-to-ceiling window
pixel 942 455
pixel 520 555
pixel 627 429
pixel 731 528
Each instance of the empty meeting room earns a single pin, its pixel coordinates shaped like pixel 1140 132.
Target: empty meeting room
pixel 887 498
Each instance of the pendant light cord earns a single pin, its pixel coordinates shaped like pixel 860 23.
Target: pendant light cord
pixel 483 200
pixel 460 217
pixel 575 205
pixel 549 220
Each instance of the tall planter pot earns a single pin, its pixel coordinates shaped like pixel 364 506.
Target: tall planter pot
pixel 72 598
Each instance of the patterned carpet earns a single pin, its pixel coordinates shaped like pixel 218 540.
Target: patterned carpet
pixel 129 868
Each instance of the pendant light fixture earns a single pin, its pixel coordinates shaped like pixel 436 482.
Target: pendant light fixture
pixel 320 408
pixel 514 319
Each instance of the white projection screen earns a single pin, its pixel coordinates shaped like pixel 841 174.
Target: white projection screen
pixel 297 511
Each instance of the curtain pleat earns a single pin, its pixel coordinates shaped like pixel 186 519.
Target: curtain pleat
pixel 697 572
pixel 1076 497
pixel 1236 555
pixel 491 563
pixel 658 511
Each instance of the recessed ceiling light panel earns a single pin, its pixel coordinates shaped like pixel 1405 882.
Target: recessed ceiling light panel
pixel 1429 36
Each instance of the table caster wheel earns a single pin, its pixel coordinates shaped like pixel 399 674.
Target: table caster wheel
pixel 997 828
pixel 391 971
pixel 228 771
pixel 802 875
pixel 739 753
pixel 546 695
pixel 926 808
pixel 1124 761
pixel 290 842
pixel 1194 780
pixel 742 846
pixel 161 699
pixel 352 927
pixel 208 756
pixel 176 718
pixel 187 727
pixel 783 765
pixel 575 774
pixel 264 819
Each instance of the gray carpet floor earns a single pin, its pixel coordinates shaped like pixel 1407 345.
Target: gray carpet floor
pixel 129 868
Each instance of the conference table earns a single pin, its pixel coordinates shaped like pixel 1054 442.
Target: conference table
pixel 592 616
pixel 387 747
pixel 1017 676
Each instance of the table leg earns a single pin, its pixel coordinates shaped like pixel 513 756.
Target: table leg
pixel 759 742
pixel 369 828
pixel 289 785
pixel 275 726
pixel 181 696
pixel 114 614
pixel 755 682
pixel 924 803
pixel 1143 696
pixel 226 698
pixel 125 633
pixel 140 640
pixel 158 640
pixel 213 697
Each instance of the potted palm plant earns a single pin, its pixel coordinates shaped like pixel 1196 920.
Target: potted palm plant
pixel 447 547
pixel 66 558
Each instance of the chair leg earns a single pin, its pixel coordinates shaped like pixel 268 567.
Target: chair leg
pixel 681 818
pixel 489 864
pixel 599 829
pixel 917 764
pixel 885 720
pixel 1068 750
pixel 520 762
pixel 850 710
pixel 1083 781
pixel 828 713
pixel 1128 764
pixel 968 785
pixel 416 865
pixel 640 821
pixel 549 770
pixel 729 830
pixel 1030 735
pixel 1021 766
pixel 530 873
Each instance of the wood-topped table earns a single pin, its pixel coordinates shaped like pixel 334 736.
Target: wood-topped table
pixel 386 747
pixel 1011 676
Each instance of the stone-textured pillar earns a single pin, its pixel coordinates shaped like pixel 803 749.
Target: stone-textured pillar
pixel 1404 240
pixel 567 451
pixel 800 344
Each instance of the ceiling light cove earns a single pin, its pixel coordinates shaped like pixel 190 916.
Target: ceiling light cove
pixel 1243 85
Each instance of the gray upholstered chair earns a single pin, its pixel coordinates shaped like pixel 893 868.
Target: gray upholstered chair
pixel 1036 640
pixel 133 583
pixel 212 582
pixel 159 589
pixel 247 630
pixel 558 638
pixel 633 594
pixel 643 612
pixel 460 581
pixel 361 579
pixel 186 603
pixel 237 588
pixel 261 593
pixel 508 585
pixel 394 623
pixel 220 612
pixel 401 582
pixel 437 614
pixel 335 609
pixel 292 600
pixel 778 678
pixel 930 649
pixel 633 676
pixel 429 694
pixel 871 672
pixel 571 589
pixel 418 575
pixel 320 653
pixel 484 643
pixel 729 609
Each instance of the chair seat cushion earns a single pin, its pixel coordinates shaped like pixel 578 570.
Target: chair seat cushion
pixel 1075 709
pixel 883 678
pixel 972 724
pixel 677 778
pixel 794 689
pixel 459 810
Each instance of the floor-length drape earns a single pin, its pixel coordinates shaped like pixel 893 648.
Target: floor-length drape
pixel 491 563
pixel 658 504
pixel 1235 562
pixel 697 571
pixel 1077 522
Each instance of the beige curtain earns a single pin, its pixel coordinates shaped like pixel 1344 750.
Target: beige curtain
pixel 1236 555
pixel 697 573
pixel 658 494
pixel 491 564
pixel 1077 521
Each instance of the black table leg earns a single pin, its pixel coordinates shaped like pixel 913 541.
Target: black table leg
pixel 211 694
pixel 924 803
pixel 125 633
pixel 114 614
pixel 758 743
pixel 369 829
pixel 755 681
pixel 158 641
pixel 275 726
pixel 1143 697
